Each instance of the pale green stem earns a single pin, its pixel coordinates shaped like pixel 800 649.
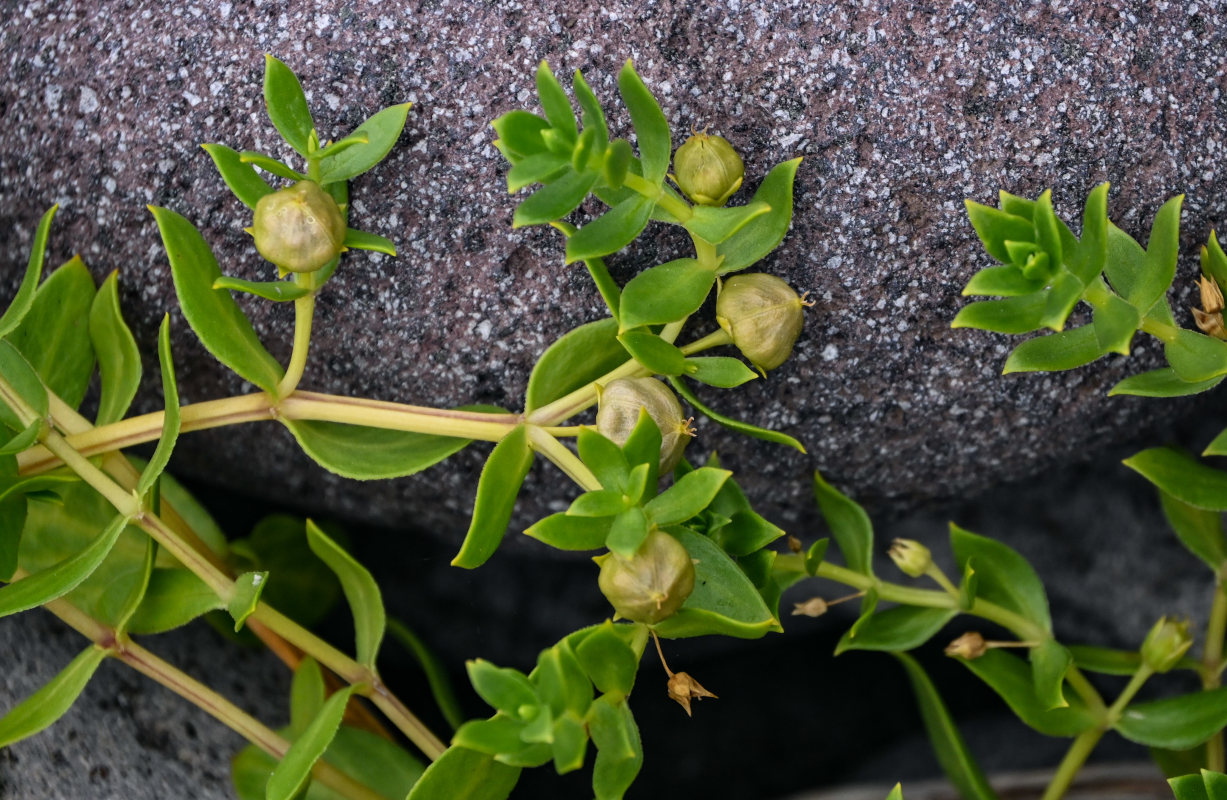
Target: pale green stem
pixel 940 578
pixel 1212 665
pixel 304 312
pixel 563 458
pixel 656 193
pixel 1082 746
pixel 209 701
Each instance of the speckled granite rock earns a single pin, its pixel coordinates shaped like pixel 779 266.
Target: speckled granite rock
pixel 900 111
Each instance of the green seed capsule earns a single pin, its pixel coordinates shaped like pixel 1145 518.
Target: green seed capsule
pixel 708 169
pixel 763 315
pixel 1166 644
pixel 650 585
pixel 299 228
pixel 618 413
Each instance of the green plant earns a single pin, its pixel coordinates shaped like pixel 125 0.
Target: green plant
pixel 113 546
pixel 1045 271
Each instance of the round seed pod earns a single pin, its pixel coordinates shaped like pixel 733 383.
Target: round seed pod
pixel 708 169
pixel 618 413
pixel 652 584
pixel 299 228
pixel 763 315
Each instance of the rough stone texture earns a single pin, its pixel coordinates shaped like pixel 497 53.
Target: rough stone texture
pixel 901 112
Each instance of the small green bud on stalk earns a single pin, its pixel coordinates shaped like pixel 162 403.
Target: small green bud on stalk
pixel 299 228
pixel 910 556
pixel 762 315
pixel 618 413
pixel 970 646
pixel 1166 644
pixel 708 169
pixel 652 584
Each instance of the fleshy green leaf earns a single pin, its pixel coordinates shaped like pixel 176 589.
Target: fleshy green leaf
pixel 497 489
pixel 382 130
pixel 365 601
pixel 1047 235
pixel 1049 663
pixel 995 227
pixel 554 102
pixel 896 629
pixel 270 165
pixel 277 291
pixel 363 453
pixel 27 437
pixel 600 503
pixel 46 585
pixel 1059 301
pixel 1089 257
pixel 611 231
pixel 554 200
pixel 25 382
pixel 764 233
pixel 579 357
pixel 1162 383
pixel 20 305
pixel 1195 356
pixel 1177 723
pixel 1110 661
pixel 1189 787
pixel 519 134
pixel 571 533
pixel 689 495
pixel 1182 477
pixel 849 525
pixel 307 695
pixel 814 556
pixel 745 428
pixel 1021 314
pixel 720 371
pixel 461 772
pixel 294 771
pixel 1161 252
pixel 1114 324
pixel 48 704
pixel 1003 281
pixel 287 105
pixel 665 293
pixel 651 127
pixel 1004 576
pixel 436 673
pixel 604 458
pixel 608 660
pixel 724 600
pixel 715 225
pixel 119 361
pixel 247 590
pixel 948 745
pixel 303 587
pixel 12 520
pixel 653 352
pixel 1199 530
pixel 136 594
pixel 361 240
pixel 171 417
pixel 1011 678
pixel 1056 351
pixel 627 532
pixel 173 598
pixel 539 168
pixel 221 325
pixel 1125 263
pixel 54 335
pixel 619 750
pixel 593 116
pixel 240 177
pixel 504 689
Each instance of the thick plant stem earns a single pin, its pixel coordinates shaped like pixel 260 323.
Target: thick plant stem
pixel 304 312
pixel 563 458
pixel 209 701
pixel 1075 757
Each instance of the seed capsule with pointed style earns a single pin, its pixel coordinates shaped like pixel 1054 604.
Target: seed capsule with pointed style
pixel 618 413
pixel 299 228
pixel 652 584
pixel 763 315
pixel 708 169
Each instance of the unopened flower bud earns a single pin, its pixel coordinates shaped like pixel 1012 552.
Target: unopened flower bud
pixel 708 169
pixel 652 584
pixel 1166 644
pixel 299 228
pixel 970 646
pixel 684 688
pixel 763 316
pixel 618 413
pixel 910 556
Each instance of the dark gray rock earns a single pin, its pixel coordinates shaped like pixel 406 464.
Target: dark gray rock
pixel 901 112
